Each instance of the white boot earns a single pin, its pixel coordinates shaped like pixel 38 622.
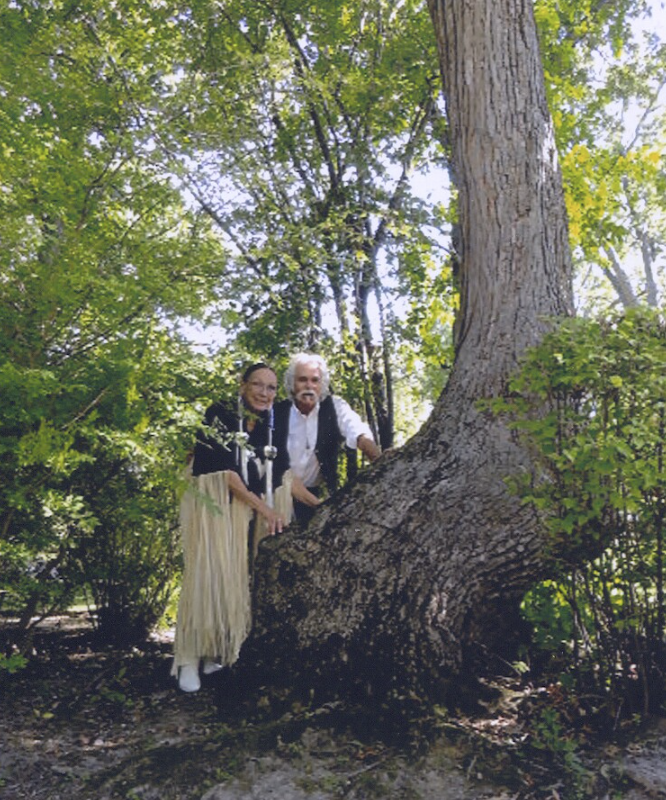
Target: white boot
pixel 188 678
pixel 210 667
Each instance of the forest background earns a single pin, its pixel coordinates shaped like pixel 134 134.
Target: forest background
pixel 185 190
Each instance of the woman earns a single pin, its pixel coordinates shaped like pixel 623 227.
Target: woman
pixel 231 469
pixel 237 441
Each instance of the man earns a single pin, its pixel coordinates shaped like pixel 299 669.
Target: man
pixel 312 423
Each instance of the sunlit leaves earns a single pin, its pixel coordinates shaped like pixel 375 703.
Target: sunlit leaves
pixel 601 488
pixel 100 251
pixel 299 115
pixel 602 434
pixel 604 74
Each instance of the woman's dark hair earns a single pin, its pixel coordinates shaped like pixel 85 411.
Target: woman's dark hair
pixel 253 368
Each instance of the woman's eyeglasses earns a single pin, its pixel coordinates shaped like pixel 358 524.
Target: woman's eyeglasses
pixel 269 388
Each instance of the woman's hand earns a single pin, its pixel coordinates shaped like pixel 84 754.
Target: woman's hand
pixel 274 522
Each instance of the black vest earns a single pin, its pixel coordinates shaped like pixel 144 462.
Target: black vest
pixel 328 437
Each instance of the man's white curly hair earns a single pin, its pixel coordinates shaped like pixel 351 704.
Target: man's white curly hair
pixel 307 358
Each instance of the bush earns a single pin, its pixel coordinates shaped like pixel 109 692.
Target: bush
pixel 601 386
pixel 89 483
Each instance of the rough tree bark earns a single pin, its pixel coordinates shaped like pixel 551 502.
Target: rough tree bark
pixel 400 576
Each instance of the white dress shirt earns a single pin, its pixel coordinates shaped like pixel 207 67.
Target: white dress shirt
pixel 303 437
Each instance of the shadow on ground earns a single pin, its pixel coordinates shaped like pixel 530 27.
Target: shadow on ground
pixel 82 721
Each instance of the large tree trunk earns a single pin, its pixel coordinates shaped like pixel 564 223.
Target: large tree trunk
pixel 401 574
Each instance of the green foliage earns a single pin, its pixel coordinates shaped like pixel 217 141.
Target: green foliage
pixel 114 692
pixel 12 663
pixel 309 180
pixel 249 166
pixel 604 68
pixel 100 254
pixel 425 355
pixel 599 390
pixel 549 734
pixel 90 495
pixel 131 201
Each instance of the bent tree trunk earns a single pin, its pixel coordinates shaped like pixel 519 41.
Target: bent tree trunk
pixel 401 575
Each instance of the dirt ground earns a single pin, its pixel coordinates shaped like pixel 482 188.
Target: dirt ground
pixel 81 721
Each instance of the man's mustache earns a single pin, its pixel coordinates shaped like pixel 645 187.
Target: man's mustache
pixel 306 393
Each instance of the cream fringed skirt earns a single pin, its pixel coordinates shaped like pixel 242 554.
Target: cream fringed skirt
pixel 284 505
pixel 214 612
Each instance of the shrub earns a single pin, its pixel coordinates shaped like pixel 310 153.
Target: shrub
pixel 600 391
